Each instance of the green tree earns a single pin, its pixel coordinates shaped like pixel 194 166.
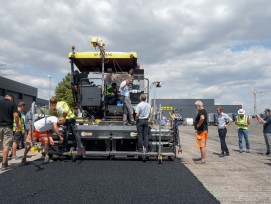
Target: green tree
pixel 63 91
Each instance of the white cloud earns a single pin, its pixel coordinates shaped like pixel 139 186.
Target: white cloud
pixel 218 49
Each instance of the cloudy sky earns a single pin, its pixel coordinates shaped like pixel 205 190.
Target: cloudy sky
pixel 198 48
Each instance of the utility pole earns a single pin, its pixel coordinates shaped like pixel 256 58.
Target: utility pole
pixel 49 89
pixel 255 98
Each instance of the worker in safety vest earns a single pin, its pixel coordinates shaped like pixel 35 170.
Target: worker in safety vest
pixel 63 110
pixel 111 94
pixel 242 121
pixel 19 134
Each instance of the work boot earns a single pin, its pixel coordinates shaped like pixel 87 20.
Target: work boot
pixel 200 162
pixel 47 160
pixel 222 154
pixel 24 160
pixel 5 167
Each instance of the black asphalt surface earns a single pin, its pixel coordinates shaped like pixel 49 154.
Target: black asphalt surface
pixel 102 181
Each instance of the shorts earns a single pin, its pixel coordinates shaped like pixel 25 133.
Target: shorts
pixel 17 136
pixel 37 136
pixel 6 134
pixel 201 139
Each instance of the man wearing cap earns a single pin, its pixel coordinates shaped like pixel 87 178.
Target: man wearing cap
pixel 8 113
pixel 223 121
pixel 266 121
pixel 19 134
pixel 242 121
pixel 125 98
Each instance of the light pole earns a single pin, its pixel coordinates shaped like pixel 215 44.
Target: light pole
pixel 155 84
pixel 49 89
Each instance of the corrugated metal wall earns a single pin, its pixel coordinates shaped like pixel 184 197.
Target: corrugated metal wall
pixel 186 107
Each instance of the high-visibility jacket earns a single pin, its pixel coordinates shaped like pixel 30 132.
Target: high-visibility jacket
pixel 62 106
pixel 22 123
pixel 242 122
pixel 108 90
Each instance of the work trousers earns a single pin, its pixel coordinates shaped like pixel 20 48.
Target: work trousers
pixel 68 127
pixel 143 133
pixel 267 138
pixel 127 108
pixel 222 135
pixel 242 132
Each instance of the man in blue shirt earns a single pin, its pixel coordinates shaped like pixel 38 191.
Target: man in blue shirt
pixel 143 110
pixel 223 121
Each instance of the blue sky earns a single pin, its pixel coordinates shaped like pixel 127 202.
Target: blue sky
pixel 200 48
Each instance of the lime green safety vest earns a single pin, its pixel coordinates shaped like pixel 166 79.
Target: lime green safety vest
pixel 107 91
pixel 243 121
pixel 62 105
pixel 22 124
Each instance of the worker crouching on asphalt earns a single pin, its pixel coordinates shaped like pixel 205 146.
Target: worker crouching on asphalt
pixel 42 132
pixel 63 110
pixel 201 128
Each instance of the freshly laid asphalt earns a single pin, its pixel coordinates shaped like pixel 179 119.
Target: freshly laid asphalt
pixel 102 181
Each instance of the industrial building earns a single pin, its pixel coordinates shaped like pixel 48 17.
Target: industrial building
pixel 21 92
pixel 186 107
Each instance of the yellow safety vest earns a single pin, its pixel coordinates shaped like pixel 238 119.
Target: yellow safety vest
pixel 64 106
pixel 243 121
pixel 107 90
pixel 22 124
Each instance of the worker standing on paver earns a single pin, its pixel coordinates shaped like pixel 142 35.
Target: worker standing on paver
pixel 266 121
pixel 223 121
pixel 242 121
pixel 125 98
pixel 201 127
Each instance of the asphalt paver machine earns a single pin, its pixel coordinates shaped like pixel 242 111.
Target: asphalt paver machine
pixel 100 123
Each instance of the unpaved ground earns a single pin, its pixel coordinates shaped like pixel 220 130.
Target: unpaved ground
pixel 238 178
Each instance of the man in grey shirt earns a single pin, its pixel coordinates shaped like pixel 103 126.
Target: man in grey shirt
pixel 223 121
pixel 143 110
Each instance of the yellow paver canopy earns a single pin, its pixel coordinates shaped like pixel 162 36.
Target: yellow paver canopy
pixel 114 61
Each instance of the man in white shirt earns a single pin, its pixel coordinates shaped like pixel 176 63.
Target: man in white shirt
pixel 125 98
pixel 43 129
